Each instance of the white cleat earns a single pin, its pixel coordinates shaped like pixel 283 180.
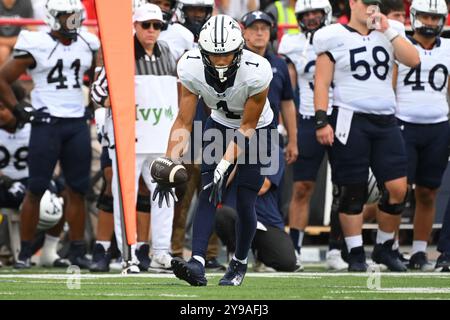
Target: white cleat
pixel 161 263
pixel 334 261
pixel 130 268
pixel 298 265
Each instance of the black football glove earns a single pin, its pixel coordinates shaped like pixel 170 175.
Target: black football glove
pixel 6 182
pixel 24 113
pixel 164 191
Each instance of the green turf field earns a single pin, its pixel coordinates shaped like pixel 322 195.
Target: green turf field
pixel 46 284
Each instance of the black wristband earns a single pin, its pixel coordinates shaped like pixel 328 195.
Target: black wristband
pixel 321 119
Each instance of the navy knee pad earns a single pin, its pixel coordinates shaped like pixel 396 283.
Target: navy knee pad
pixel 352 198
pixel 392 209
pixel 143 204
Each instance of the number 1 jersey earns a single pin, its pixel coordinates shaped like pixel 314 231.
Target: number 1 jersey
pixel 58 70
pixel 252 77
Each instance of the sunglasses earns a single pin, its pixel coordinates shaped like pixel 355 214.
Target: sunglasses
pixel 147 25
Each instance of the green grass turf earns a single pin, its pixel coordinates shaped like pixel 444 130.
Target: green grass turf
pixel 46 284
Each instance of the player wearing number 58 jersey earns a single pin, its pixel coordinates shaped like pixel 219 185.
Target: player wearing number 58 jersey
pixel 56 62
pixel 358 58
pixel 422 110
pixel 234 83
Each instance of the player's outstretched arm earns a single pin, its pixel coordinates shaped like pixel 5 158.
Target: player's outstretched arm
pixel 181 128
pixel 322 82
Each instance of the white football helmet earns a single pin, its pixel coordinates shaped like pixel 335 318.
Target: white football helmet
pixel 433 7
pixel 138 3
pixel 303 6
pixel 194 24
pixel 167 15
pixel 220 35
pixel 55 8
pixel 50 211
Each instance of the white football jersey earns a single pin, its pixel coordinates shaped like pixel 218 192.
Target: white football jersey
pixel 252 77
pixel 178 38
pixel 422 92
pixel 363 67
pixel 298 48
pixel 58 73
pixel 14 152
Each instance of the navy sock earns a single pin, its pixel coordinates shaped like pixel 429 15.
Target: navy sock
pixel 203 224
pixel 246 221
pixel 77 248
pixel 25 250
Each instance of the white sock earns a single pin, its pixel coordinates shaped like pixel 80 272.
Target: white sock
pixel 382 236
pixel 199 259
pixel 301 234
pixel 139 245
pixel 50 245
pixel 353 242
pixel 241 261
pixel 419 246
pixel 105 244
pixel 396 245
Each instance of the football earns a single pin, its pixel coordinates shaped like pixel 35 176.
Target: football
pixel 165 170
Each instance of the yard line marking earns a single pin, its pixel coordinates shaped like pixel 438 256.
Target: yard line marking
pixel 305 275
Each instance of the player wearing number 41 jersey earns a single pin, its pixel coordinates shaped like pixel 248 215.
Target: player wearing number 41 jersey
pixel 422 110
pixel 56 62
pixel 359 58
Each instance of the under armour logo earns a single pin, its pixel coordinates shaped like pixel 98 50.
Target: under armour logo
pixel 221 95
pixel 341 135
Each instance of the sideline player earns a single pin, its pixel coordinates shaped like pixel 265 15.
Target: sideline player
pixel 358 58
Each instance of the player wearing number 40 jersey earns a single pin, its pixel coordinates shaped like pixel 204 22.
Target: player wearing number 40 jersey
pixel 358 58
pixel 56 62
pixel 422 110
pixel 234 83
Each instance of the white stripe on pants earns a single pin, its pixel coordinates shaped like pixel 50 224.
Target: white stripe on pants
pixel 161 218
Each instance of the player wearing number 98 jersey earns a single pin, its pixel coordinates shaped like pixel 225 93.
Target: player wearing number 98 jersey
pixel 358 58
pixel 422 110
pixel 56 62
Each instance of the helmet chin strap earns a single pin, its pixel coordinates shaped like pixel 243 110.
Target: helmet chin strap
pixel 221 71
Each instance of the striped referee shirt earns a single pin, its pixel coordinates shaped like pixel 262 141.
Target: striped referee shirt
pixel 160 63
